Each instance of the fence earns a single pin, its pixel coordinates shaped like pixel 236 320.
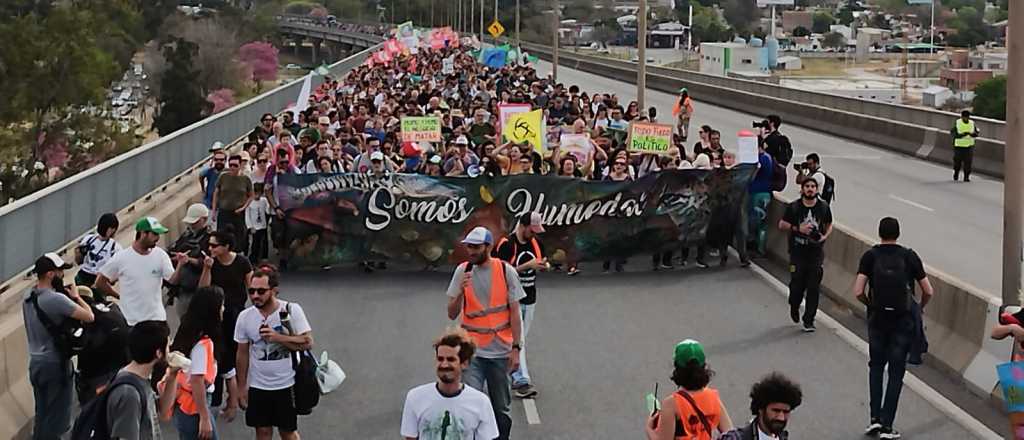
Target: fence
pixel 51 217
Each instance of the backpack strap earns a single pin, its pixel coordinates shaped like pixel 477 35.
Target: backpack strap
pixel 51 327
pixel 696 409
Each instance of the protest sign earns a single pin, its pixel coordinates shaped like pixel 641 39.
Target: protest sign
pixel 578 145
pixel 421 128
pixel 651 138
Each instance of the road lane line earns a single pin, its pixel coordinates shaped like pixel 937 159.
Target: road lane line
pixel 915 384
pixel 850 156
pixel 910 202
pixel 531 412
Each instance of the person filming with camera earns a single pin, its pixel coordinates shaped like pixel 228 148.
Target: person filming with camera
pixel 811 169
pixel 809 223
pixel 776 144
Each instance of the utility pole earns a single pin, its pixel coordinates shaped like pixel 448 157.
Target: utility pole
pixel 554 45
pixel 641 51
pixel 472 16
pixel 689 33
pixel 495 19
pixel 431 13
pixel 1013 159
pixel 932 29
pixel 518 41
pixel 481 21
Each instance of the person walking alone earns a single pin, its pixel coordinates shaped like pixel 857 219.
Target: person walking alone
pixel 695 410
pixel 890 270
pixel 486 292
pixel 809 223
pixel 964 134
pixel 448 409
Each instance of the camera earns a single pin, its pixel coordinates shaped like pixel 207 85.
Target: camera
pixel 761 124
pixel 800 166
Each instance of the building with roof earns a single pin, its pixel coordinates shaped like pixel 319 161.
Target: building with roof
pixel 723 58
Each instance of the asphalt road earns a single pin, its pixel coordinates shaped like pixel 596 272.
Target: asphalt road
pixel 955 227
pixel 598 344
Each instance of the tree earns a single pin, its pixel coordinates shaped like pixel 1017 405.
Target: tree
pixel 845 16
pixel 990 98
pixel 741 14
pixel 221 100
pixel 182 101
pixel 261 59
pixel 218 43
pixel 707 27
pixel 834 40
pixel 822 22
pixel 801 31
pixel 970 28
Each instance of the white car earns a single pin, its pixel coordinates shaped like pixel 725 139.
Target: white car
pixel 293 67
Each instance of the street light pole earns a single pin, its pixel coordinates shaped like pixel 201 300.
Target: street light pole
pixel 481 21
pixel 1013 159
pixel 932 29
pixel 518 41
pixel 641 50
pixel 554 45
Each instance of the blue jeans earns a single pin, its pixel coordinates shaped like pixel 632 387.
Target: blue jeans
pixel 51 388
pixel 888 345
pixel 493 372
pixel 188 426
pixel 522 375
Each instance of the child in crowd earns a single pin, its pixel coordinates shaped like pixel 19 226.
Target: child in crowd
pixel 256 221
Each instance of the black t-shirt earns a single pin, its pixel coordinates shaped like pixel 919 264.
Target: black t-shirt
pixel 819 217
pixel 523 252
pixel 231 278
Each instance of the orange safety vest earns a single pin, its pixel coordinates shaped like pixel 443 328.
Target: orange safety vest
pixel 681 106
pixel 184 399
pixel 484 323
pixel 709 403
pixel 515 248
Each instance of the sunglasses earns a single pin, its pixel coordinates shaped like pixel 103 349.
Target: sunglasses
pixel 213 245
pixel 219 160
pixel 258 290
pixel 268 120
pixel 619 164
pixel 233 165
pixel 262 161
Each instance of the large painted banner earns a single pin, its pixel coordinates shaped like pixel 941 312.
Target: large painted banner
pixel 420 220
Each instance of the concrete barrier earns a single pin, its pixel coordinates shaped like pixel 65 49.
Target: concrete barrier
pixel 915 136
pixel 958 318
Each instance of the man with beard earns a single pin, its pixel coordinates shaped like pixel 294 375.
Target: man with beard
pixel 141 270
pixel 209 175
pixel 809 223
pixel 771 401
pixel 447 409
pixel 486 292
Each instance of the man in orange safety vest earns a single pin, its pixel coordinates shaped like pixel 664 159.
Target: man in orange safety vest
pixel 486 292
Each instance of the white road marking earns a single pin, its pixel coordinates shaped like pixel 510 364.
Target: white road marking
pixel 850 156
pixel 531 412
pixel 910 202
pixel 926 392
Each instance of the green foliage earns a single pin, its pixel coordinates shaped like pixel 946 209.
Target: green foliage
pixel 182 101
pixel 970 28
pixel 801 31
pixel 990 98
pixel 845 16
pixel 834 40
pixel 822 20
pixel 580 10
pixel 741 14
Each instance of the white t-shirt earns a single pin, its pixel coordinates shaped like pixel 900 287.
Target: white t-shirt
pixel 141 282
pixel 469 415
pixel 98 252
pixel 198 368
pixel 256 214
pixel 270 366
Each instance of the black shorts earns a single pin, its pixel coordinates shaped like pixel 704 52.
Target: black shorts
pixel 272 409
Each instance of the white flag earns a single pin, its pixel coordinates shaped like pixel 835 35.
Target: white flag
pixel 302 102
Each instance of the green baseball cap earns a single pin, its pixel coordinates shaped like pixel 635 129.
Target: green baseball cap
pixel 682 90
pixel 150 224
pixel 688 350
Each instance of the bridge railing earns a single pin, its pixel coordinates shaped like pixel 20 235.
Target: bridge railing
pixel 50 218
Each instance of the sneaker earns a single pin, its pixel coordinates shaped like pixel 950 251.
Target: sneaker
pixel 874 427
pixel 966 179
pixel 794 314
pixel 573 271
pixel 520 385
pixel 667 267
pixel 619 268
pixel 725 259
pixel 701 264
pixel 367 266
pixel 889 434
pixel 381 265
pixel 745 263
pixel 809 328
pixel 527 392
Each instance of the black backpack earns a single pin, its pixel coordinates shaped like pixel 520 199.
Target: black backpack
pixel 91 423
pixel 828 192
pixel 891 288
pixel 306 391
pixel 68 337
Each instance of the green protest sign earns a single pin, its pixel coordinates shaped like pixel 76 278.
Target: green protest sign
pixel 650 138
pixel 421 128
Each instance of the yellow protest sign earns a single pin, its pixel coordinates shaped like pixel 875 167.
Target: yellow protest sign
pixel 525 127
pixel 496 29
pixel 649 138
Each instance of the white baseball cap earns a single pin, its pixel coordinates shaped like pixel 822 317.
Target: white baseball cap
pixel 479 235
pixel 195 212
pixel 377 155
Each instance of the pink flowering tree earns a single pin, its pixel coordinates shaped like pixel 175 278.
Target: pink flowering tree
pixel 318 12
pixel 261 59
pixel 222 99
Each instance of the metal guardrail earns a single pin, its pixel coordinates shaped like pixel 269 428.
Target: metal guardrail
pixel 50 218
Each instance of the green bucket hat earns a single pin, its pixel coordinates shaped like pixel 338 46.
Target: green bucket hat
pixel 686 351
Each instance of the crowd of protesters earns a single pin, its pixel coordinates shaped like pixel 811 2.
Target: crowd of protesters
pixel 233 355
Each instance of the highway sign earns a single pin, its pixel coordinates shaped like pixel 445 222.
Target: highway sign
pixel 496 29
